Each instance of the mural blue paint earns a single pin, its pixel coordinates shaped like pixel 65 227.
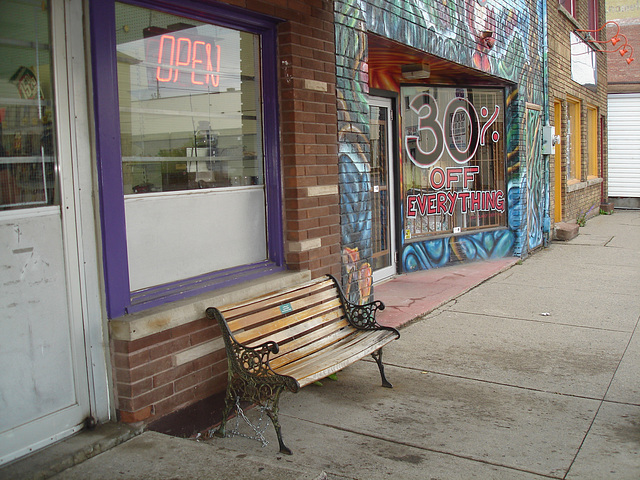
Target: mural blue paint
pixel 442 251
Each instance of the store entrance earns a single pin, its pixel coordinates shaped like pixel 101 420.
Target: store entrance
pixel 381 188
pixel 48 273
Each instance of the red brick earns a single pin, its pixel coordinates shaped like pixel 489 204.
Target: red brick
pixel 210 359
pixel 193 379
pixel 168 348
pixel 170 376
pixel 133 417
pixel 203 336
pixel 152 397
pixel 174 402
pixel 131 390
pixel 130 360
pixel 190 327
pixel 149 340
pixel 144 371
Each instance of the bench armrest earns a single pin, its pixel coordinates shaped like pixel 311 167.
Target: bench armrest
pixel 254 360
pixel 250 362
pixel 364 316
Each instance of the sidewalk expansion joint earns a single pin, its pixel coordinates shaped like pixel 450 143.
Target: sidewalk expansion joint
pixel 501 384
pixel 426 449
pixel 560 324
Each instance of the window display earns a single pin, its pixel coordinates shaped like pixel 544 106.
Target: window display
pixel 453 160
pixel 189 97
pixel 27 143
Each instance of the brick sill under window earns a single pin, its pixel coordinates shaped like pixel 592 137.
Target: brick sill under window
pixel 573 185
pixel 158 319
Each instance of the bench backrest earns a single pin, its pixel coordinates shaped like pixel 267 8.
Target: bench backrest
pixel 301 319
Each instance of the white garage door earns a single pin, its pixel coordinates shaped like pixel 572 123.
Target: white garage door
pixel 624 145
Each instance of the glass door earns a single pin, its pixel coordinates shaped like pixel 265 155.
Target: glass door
pixel 381 188
pixel 44 386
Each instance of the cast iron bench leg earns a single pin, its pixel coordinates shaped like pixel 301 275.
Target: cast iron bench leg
pixel 377 356
pixel 273 415
pixel 228 404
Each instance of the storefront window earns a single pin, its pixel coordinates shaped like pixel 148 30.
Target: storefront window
pixel 573 141
pixel 189 103
pixel 592 141
pixel 453 160
pixel 191 194
pixel 27 142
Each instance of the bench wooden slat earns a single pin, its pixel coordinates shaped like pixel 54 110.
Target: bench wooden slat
pixel 309 344
pixel 234 310
pixel 289 323
pixel 347 347
pixel 304 333
pixel 296 306
pixel 335 357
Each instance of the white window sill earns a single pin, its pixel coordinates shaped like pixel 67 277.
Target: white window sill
pixel 165 317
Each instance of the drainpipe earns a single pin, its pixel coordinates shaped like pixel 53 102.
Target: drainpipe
pixel 546 227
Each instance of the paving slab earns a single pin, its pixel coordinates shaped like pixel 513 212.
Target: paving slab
pixel 586 307
pixel 578 267
pixel 612 448
pixel 344 454
pixel 155 456
pixel 409 296
pixel 625 387
pixel 485 422
pixel 535 355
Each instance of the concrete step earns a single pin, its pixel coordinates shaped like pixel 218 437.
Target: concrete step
pixel 566 231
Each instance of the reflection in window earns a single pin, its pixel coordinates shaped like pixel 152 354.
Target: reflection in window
pixel 453 165
pixel 573 140
pixel 27 146
pixel 592 141
pixel 189 97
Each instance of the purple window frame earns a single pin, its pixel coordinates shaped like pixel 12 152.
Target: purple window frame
pixel 119 297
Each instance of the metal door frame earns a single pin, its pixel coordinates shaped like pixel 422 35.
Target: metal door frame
pixel 391 270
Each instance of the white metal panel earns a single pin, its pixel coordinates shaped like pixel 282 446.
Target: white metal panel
pixel 36 361
pixel 173 236
pixel 624 145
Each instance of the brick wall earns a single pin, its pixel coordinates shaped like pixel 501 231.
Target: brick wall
pixel 171 368
pixel 624 77
pixel 309 138
pixel 579 198
pixel 166 371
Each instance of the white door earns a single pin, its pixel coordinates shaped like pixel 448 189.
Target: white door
pixel 44 385
pixel 383 221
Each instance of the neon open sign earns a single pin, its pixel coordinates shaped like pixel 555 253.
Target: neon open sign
pixel 185 60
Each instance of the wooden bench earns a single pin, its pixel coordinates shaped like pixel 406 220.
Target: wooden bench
pixel 292 338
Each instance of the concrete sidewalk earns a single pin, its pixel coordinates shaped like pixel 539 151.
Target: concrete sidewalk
pixel 531 374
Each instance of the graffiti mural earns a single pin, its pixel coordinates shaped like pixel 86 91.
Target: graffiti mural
pixel 500 38
pixel 442 251
pixel 353 144
pixel 535 181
